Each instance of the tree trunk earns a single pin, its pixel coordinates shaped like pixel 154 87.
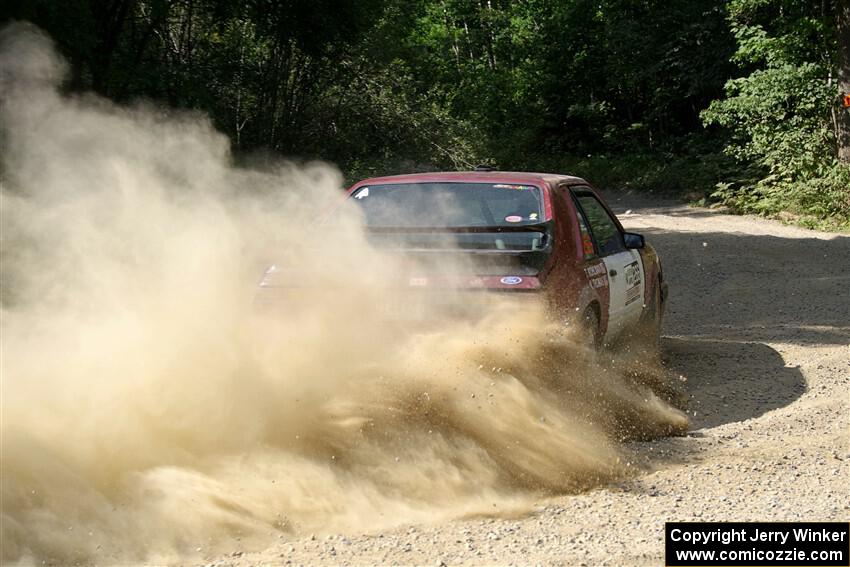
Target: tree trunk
pixel 843 17
pixel 487 24
pixel 450 30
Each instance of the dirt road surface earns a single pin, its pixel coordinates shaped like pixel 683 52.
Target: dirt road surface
pixel 758 327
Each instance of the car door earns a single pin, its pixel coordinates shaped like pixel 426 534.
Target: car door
pixel 624 266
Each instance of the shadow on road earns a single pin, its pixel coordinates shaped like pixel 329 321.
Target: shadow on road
pixel 735 299
pixel 731 381
pixel 731 286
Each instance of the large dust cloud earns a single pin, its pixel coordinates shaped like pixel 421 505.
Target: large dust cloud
pixel 149 411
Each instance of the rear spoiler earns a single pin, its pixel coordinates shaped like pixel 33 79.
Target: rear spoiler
pixel 536 227
pixel 543 244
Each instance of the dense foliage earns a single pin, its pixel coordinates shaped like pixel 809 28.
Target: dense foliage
pixel 784 116
pixel 739 100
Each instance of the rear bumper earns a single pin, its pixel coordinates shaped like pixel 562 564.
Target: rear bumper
pixel 413 305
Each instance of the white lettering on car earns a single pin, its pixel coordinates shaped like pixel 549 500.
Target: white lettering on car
pixel 633 279
pixel 595 270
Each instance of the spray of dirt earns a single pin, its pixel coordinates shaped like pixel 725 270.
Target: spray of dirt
pixel 148 413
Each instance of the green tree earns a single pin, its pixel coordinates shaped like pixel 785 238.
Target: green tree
pixel 843 18
pixel 782 115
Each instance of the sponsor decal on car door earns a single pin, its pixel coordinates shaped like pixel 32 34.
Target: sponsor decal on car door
pixel 626 281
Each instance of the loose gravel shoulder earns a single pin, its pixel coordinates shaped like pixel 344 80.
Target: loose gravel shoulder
pixel 758 327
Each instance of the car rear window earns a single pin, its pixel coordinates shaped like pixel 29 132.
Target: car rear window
pixel 451 205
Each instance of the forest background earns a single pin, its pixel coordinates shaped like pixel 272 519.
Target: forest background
pixel 743 103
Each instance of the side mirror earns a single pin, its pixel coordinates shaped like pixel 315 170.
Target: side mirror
pixel 633 240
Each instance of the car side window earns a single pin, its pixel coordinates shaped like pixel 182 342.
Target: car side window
pixel 602 226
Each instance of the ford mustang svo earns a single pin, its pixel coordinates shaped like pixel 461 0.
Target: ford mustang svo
pixel 539 235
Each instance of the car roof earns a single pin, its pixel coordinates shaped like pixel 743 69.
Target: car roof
pixel 475 177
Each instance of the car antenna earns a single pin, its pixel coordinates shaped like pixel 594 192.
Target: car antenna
pixel 485 167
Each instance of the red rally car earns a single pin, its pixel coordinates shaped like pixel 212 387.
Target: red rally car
pixel 522 233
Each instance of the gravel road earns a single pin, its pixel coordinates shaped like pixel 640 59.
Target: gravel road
pixel 758 327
